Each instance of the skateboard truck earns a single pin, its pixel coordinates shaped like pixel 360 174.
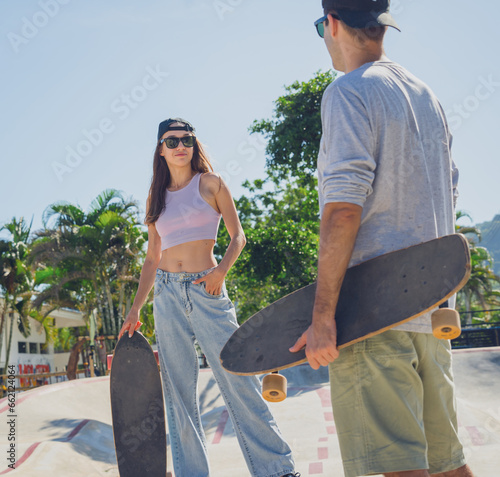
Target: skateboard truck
pixel 446 323
pixel 274 387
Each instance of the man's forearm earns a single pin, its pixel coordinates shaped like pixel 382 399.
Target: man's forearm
pixel 339 227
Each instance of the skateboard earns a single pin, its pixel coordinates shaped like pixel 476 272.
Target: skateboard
pixel 376 295
pixel 137 409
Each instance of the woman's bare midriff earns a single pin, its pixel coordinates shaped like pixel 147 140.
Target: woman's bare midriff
pixel 190 257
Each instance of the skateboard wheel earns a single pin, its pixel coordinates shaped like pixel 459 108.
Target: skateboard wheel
pixel 446 324
pixel 274 387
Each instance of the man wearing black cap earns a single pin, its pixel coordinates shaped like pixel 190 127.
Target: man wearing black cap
pixel 386 181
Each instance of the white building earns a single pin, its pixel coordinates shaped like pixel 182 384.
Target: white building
pixel 29 355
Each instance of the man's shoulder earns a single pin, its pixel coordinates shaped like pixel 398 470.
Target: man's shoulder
pixel 358 83
pixel 361 78
pixel 384 75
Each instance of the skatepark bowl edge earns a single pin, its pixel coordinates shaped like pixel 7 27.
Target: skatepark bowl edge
pixel 64 429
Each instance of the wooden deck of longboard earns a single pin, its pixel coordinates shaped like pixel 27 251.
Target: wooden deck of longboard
pixel 376 295
pixel 137 409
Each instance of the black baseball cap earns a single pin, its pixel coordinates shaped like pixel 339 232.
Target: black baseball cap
pixel 362 13
pixel 167 126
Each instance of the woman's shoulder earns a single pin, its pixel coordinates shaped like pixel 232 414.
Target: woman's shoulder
pixel 211 181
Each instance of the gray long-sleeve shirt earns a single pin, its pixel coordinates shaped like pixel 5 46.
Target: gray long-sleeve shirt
pixel 386 147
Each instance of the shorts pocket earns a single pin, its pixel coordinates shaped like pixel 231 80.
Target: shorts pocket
pixel 391 344
pixel 443 355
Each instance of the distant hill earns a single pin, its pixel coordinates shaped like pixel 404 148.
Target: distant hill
pixel 490 232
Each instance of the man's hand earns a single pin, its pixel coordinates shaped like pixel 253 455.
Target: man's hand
pixel 320 340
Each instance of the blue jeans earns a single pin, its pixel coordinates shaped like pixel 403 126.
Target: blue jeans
pixel 184 313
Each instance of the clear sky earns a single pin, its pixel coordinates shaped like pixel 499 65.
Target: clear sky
pixel 84 84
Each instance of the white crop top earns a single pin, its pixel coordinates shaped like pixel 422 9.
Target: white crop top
pixel 187 217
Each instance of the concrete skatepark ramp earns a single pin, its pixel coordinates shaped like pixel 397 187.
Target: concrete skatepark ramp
pixel 64 429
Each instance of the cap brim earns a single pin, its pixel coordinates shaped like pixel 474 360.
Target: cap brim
pixel 356 19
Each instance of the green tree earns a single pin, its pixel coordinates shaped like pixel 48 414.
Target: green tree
pixel 490 238
pixel 64 339
pixel 90 261
pixel 294 133
pixel 16 281
pixel 280 214
pixel 480 292
pixel 282 241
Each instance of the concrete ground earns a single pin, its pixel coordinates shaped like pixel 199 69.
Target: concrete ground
pixel 64 430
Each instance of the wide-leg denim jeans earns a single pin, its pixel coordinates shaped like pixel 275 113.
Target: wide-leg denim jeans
pixel 184 313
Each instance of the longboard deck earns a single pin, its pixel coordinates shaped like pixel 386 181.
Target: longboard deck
pixel 376 295
pixel 137 409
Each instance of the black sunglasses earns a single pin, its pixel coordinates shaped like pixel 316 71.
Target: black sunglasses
pixel 320 24
pixel 173 142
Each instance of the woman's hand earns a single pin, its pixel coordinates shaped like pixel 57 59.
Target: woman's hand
pixel 131 323
pixel 213 281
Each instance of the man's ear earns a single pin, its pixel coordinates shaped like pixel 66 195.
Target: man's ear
pixel 333 25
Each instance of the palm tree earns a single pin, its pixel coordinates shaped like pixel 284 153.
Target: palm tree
pixel 480 289
pixel 16 281
pixel 89 261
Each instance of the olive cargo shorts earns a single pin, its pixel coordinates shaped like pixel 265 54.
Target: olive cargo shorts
pixel 393 400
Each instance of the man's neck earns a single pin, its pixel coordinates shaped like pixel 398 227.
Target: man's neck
pixel 353 62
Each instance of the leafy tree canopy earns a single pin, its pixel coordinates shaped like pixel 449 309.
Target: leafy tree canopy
pixel 294 132
pixel 280 214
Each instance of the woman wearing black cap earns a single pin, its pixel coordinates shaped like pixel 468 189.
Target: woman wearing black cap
pixel 185 203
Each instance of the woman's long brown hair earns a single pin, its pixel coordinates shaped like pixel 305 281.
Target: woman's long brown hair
pixel 161 179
